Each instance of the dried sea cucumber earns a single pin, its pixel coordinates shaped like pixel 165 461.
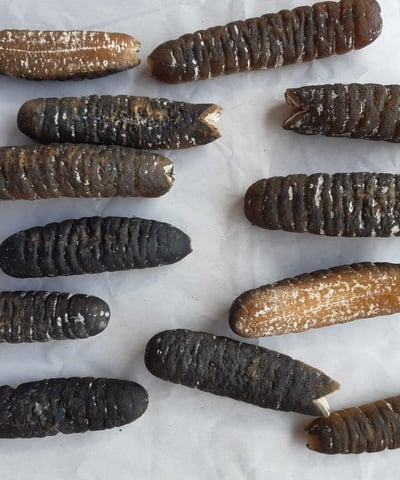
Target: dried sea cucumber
pixel 31 172
pixel 318 299
pixel 140 122
pixel 238 370
pixel 39 316
pixel 356 110
pixel 368 428
pixel 343 204
pixel 63 55
pixel 69 405
pixel 272 40
pixel 92 245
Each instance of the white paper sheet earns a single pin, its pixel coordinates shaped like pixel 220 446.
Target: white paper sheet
pixel 186 434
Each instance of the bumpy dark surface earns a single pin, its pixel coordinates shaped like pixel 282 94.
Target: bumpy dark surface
pixel 356 110
pixel 237 370
pixel 65 170
pixel 369 428
pixel 69 405
pixel 344 204
pixel 91 245
pixel 272 40
pixel 139 122
pixel 42 316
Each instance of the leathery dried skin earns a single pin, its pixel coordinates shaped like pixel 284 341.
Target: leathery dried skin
pixel 92 245
pixel 272 40
pixel 140 122
pixel 369 111
pixel 318 299
pixel 41 316
pixel 368 428
pixel 63 55
pixel 66 170
pixel 358 204
pixel 69 405
pixel 238 370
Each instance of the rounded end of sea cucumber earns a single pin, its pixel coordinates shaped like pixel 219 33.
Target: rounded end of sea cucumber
pixel 367 22
pixel 163 65
pixel 30 118
pixel 88 315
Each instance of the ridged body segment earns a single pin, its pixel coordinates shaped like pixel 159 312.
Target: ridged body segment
pixel 369 428
pixel 369 111
pixel 272 40
pixel 92 245
pixel 39 316
pixel 140 122
pixel 237 370
pixel 318 299
pixel 69 405
pixel 33 172
pixel 358 204
pixel 63 55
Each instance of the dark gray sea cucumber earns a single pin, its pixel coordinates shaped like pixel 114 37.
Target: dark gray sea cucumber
pixel 39 316
pixel 92 245
pixel 369 111
pixel 69 405
pixel 360 204
pixel 238 370
pixel 139 122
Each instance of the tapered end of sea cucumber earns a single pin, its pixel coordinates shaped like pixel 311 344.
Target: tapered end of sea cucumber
pixel 177 246
pixel 295 121
pixel 209 118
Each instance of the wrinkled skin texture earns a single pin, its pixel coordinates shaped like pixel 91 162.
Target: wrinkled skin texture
pixel 237 370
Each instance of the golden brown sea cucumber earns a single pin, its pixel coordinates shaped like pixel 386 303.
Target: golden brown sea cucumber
pixel 63 55
pixel 318 299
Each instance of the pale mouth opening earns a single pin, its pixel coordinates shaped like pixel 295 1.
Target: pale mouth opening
pixel 169 172
pixel 322 403
pixel 210 118
pixel 293 101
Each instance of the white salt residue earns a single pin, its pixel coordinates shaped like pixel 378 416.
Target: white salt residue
pixel 79 318
pixel 395 229
pixel 173 59
pixel 318 190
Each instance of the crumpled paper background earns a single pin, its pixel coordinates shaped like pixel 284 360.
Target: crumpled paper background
pixel 187 434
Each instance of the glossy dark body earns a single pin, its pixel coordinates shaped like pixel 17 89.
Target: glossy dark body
pixel 272 40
